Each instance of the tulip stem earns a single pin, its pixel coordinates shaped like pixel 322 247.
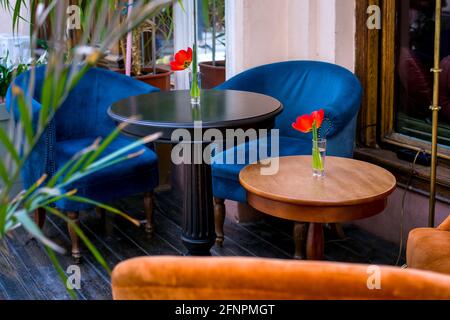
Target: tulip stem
pixel 317 159
pixel 195 89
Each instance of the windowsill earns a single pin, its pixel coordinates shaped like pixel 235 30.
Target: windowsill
pixel 402 169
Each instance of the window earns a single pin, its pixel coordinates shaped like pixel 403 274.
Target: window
pixel 394 65
pixel 211 30
pixel 211 39
pixel 414 46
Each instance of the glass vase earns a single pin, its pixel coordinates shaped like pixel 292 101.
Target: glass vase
pixel 194 80
pixel 319 150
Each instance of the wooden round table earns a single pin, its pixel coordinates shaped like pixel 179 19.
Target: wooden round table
pixel 350 190
pixel 172 114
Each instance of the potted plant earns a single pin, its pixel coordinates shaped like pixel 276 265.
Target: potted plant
pixel 64 70
pixel 144 43
pixel 213 72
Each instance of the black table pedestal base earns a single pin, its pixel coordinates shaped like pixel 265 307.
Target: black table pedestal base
pixel 198 215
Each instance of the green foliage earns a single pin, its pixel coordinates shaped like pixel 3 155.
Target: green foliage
pixel 213 10
pixel 103 26
pixel 7 73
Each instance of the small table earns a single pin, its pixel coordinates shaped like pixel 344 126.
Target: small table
pixel 166 112
pixel 350 190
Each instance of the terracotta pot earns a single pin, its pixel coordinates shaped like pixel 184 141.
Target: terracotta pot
pixel 161 80
pixel 211 75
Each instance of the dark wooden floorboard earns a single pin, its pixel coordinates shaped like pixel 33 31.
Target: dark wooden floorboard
pixel 12 280
pixel 243 243
pixel 3 292
pixel 27 273
pixel 95 281
pixel 39 265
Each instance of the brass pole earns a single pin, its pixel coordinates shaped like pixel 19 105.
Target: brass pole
pixel 435 109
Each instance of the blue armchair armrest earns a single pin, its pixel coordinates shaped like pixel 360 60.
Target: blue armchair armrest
pixel 35 165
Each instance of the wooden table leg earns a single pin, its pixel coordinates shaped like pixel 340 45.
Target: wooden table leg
pixel 315 242
pixel 300 230
pixel 39 217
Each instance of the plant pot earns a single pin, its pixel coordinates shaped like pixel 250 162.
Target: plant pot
pixel 211 75
pixel 159 80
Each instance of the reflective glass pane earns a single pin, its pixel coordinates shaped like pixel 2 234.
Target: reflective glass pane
pixel 415 58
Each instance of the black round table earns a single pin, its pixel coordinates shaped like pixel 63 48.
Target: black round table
pixel 166 112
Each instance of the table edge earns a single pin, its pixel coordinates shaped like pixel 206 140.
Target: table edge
pixel 205 125
pixel 313 203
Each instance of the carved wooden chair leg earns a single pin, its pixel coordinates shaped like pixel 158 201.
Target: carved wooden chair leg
pixel 300 232
pixel 104 222
pixel 337 230
pixel 39 217
pixel 219 220
pixel 76 251
pixel 101 212
pixel 148 208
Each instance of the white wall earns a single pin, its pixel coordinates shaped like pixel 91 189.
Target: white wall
pixel 266 31
pixel 6 22
pixel 389 223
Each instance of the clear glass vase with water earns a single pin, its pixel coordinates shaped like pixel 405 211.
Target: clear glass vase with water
pixel 319 150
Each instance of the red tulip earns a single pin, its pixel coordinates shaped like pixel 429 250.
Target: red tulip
pixel 318 117
pixel 305 123
pixel 183 60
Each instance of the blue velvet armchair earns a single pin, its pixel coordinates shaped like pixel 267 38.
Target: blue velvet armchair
pixel 78 122
pixel 302 87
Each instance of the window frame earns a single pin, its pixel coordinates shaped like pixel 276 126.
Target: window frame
pixel 377 141
pixel 375 66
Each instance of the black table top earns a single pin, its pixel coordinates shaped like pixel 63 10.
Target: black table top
pixel 218 109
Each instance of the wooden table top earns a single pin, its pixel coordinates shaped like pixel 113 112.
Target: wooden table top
pixel 347 182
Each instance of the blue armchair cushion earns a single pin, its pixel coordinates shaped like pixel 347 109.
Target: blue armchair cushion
pixel 80 119
pixel 226 176
pixel 126 178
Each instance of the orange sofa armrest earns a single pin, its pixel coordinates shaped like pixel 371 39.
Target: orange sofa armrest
pixel 445 226
pixel 189 278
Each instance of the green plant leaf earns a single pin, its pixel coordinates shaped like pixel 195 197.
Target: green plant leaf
pixel 9 146
pixel 102 147
pixel 76 161
pixel 182 5
pixel 25 116
pixel 205 11
pixel 123 150
pixel 104 206
pixel 62 275
pixel 3 222
pixel 4 173
pixel 31 227
pixel 16 15
pixel 83 237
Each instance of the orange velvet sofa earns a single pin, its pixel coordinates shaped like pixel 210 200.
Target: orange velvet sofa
pixel 180 278
pixel 429 249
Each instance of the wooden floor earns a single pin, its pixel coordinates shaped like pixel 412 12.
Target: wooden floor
pixel 27 273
